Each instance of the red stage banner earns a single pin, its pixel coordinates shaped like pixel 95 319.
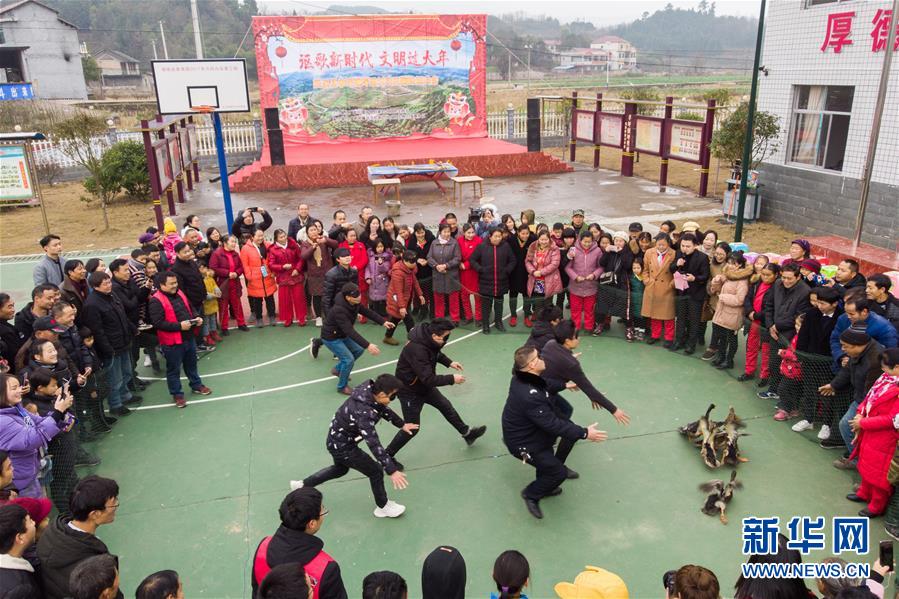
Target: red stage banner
pixel 336 79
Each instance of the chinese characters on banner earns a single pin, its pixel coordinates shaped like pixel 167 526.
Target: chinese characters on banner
pixel 686 142
pixel 16 91
pixel 838 32
pixel 15 178
pixel 584 126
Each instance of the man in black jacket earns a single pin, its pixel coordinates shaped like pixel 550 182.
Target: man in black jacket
pixel 302 515
pixel 339 275
pixel 532 423
pixel 42 299
pixel 340 336
pixel 787 299
pixel 417 369
pixel 562 364
pixel 847 277
pixel 190 282
pixel 303 220
pixel 882 301
pixel 113 334
pixel 10 341
pixel 132 298
pixel 70 540
pixel 544 329
pixel 245 225
pixel 694 266
pixel 354 421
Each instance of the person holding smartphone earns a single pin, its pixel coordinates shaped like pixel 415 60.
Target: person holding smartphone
pixel 175 321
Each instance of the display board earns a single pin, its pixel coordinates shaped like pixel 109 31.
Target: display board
pixel 611 129
pixel 649 135
pixel 341 78
pixel 16 183
pixel 584 122
pixel 163 164
pixel 685 140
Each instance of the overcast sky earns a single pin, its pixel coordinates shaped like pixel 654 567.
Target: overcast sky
pixel 600 12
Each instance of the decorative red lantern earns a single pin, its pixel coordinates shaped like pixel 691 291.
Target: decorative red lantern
pixel 455 45
pixel 280 51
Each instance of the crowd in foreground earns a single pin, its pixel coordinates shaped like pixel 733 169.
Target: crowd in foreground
pixel 75 347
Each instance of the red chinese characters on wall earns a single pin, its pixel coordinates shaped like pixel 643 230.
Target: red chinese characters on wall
pixel 838 32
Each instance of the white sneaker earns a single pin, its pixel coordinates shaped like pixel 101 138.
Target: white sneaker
pixel 147 362
pixel 318 321
pixel 824 433
pixel 390 510
pixel 802 425
pixel 296 484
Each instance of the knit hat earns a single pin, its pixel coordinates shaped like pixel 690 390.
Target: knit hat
pixel 169 226
pixel 578 212
pixel 855 336
pixel 593 583
pixel 341 253
pixel 690 227
pixel 811 264
pixel 38 509
pixel 145 238
pixel 443 574
pixel 620 235
pixel 48 323
pixel 803 244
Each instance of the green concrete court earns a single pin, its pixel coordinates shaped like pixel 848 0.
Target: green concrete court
pixel 201 486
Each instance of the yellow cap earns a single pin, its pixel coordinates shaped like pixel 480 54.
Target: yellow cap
pixel 690 226
pixel 593 583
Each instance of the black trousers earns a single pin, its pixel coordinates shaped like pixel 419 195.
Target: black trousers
pixel 316 301
pixel 782 341
pixel 412 404
pixel 491 303
pixel 728 347
pixel 689 316
pixel 551 473
pixel 358 460
pixel 64 448
pixel 407 321
pixel 565 445
pixel 256 307
pixel 815 375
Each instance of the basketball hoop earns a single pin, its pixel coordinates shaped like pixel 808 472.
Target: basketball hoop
pixel 203 108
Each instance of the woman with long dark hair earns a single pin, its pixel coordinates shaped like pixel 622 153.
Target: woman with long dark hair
pixel 773 588
pixel 420 243
pixel 315 251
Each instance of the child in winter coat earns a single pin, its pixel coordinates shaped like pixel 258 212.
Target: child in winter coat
pixel 635 322
pixel 377 275
pixel 791 385
pixel 170 240
pixel 210 306
pixel 757 340
pixel 731 287
pixel 583 271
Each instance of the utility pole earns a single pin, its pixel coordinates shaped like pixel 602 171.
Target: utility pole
pixel 608 66
pixel 510 67
pixel 198 42
pixel 155 56
pixel 875 124
pixel 750 127
pixel 165 49
pixel 529 69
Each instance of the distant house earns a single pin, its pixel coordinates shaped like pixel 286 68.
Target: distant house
pixel 117 69
pixel 37 45
pixel 552 45
pixel 583 60
pixel 622 54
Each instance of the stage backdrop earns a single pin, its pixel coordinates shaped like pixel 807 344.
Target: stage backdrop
pixel 342 78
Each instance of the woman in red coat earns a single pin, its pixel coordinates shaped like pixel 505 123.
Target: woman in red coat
pixel 225 262
pixel 359 253
pixel 401 290
pixel 287 264
pixel 468 276
pixel 875 428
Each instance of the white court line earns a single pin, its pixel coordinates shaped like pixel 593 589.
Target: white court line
pixel 292 385
pixel 235 371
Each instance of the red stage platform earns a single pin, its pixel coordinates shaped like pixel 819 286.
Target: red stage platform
pixel 871 259
pixel 342 164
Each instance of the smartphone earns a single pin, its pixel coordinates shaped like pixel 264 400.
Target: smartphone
pixel 886 555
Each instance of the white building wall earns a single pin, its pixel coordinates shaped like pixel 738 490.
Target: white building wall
pixel 792 54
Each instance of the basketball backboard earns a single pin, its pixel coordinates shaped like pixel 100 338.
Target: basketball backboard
pixel 184 85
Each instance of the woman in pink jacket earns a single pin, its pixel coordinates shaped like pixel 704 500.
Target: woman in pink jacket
pixel 542 264
pixel 875 427
pixel 287 265
pixel 468 277
pixel 583 271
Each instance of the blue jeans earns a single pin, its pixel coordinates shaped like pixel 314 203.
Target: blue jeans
pixel 176 356
pixel 118 375
pixel 346 351
pixel 845 431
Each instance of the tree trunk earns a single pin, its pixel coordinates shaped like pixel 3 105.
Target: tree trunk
pixel 105 214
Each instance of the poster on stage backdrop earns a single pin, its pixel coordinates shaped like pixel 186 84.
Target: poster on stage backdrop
pixel 610 130
pixel 343 78
pixel 584 124
pixel 649 136
pixel 686 141
pixel 16 184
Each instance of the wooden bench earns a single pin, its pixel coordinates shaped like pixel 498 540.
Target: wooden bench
pixel 383 186
pixel 459 184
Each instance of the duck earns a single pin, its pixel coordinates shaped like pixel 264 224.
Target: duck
pixel 718 495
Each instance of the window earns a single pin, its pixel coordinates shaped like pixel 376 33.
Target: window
pixel 820 125
pixel 810 3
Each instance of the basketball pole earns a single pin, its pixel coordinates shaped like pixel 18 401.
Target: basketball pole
pixel 223 168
